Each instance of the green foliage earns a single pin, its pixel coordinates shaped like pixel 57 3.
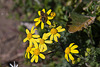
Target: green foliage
pixel 62 63
pixel 21 28
pixel 0 64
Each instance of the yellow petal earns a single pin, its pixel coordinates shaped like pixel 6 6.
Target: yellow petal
pixel 50 18
pixel 43 10
pixel 74 51
pixel 45 36
pixel 66 56
pixel 42 56
pixel 48 34
pixel 32 54
pixel 59 27
pixel 32 49
pixel 71 45
pixel 48 41
pixel 49 11
pixel 37 23
pixel 55 38
pixel 41 47
pixel 58 35
pixel 33 58
pixel 28 55
pixel 35 36
pixel 36 59
pixel 45 47
pixel 61 30
pixel 71 57
pixel 33 31
pixel 42 25
pixel 39 13
pixel 35 44
pixel 37 40
pixel 30 43
pixel 36 19
pixel 51 37
pixel 25 39
pixel 48 22
pixel 27 31
pixel 25 55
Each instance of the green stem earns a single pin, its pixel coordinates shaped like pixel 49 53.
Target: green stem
pixel 61 46
pixel 90 35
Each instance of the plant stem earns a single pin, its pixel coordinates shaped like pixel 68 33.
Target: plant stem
pixel 61 45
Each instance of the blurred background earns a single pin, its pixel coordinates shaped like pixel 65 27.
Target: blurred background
pixel 17 15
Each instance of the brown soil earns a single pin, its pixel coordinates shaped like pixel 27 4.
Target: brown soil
pixel 11 46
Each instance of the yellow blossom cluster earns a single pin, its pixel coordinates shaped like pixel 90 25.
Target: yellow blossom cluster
pixel 37 44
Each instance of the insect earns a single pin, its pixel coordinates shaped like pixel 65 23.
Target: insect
pixel 78 22
pixel 43 17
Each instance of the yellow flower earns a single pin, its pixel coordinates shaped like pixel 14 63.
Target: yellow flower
pixel 35 53
pixel 78 59
pixel 86 53
pixel 53 14
pixel 69 50
pixel 27 54
pixel 44 18
pixel 88 50
pixel 30 37
pixel 54 33
pixel 42 42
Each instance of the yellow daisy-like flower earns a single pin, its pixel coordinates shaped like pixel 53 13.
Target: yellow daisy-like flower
pixel 42 42
pixel 35 53
pixel 53 14
pixel 44 18
pixel 30 37
pixel 27 54
pixel 54 33
pixel 69 50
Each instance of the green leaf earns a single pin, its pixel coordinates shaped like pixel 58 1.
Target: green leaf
pixel 21 28
pixel 98 50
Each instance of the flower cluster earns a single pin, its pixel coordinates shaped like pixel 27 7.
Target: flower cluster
pixel 37 44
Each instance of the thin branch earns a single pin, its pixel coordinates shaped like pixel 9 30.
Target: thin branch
pixel 80 1
pixel 87 6
pixel 50 52
pixel 37 2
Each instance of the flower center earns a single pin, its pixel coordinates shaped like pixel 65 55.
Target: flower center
pixel 36 51
pixel 67 50
pixel 53 14
pixel 53 31
pixel 41 41
pixel 28 49
pixel 29 35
